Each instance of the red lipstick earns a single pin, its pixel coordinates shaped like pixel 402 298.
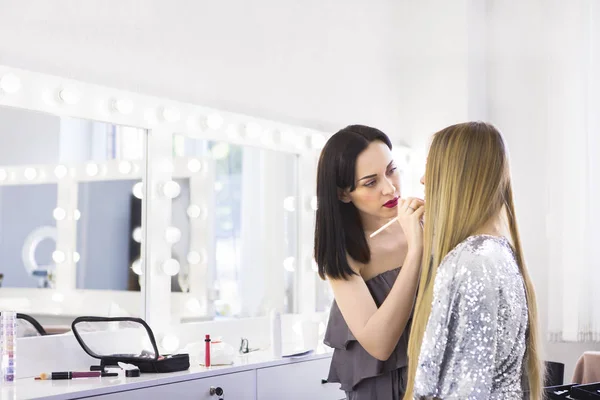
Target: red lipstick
pixel 392 203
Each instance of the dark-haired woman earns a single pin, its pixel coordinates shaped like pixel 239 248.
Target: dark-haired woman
pixel 374 280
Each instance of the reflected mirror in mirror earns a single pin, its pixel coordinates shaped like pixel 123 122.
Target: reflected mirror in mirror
pixel 67 216
pixel 234 230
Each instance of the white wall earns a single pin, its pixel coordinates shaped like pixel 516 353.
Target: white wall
pixel 406 67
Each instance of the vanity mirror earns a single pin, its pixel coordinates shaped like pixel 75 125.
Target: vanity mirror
pixel 67 217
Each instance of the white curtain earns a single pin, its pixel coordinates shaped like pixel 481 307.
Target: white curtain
pixel 574 170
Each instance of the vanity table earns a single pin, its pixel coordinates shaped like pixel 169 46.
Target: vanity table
pixel 255 376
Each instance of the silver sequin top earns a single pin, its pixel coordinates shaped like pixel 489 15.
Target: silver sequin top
pixel 474 342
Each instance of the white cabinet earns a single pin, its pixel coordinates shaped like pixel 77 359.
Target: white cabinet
pixel 297 381
pixel 236 386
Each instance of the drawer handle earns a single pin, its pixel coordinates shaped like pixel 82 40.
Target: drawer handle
pixel 216 391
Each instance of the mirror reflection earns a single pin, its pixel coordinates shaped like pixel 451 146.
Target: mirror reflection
pixel 234 223
pixel 68 216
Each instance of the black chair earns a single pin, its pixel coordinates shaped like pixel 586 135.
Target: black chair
pixel 555 374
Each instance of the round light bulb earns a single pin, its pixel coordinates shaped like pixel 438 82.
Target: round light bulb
pixel 193 211
pixel 218 186
pixel 59 214
pixel 136 267
pixel 289 264
pixel 194 165
pixel 137 234
pixel 171 114
pixel 3 175
pixel 125 167
pixel 171 189
pixel 58 257
pixel 10 83
pixel 92 169
pixel 313 203
pixel 214 121
pixel 76 257
pixel 172 235
pixel 76 215
pixel 124 106
pixel 138 190
pixel 60 171
pixel 171 267
pixel 69 96
pixel 289 204
pixel 195 257
pixel 220 150
pixel 30 173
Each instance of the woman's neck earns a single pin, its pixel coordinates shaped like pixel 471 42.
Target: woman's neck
pixel 495 226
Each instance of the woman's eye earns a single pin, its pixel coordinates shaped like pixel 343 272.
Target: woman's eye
pixel 392 170
pixel 370 184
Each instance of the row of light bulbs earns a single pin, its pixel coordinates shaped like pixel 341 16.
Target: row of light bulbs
pixel 61 171
pixel 70 96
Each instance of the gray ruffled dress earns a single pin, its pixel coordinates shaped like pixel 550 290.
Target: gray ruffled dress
pixel 361 375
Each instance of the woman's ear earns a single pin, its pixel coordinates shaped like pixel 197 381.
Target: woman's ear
pixel 344 195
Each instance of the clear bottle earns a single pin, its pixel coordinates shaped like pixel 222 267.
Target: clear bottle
pixel 275 324
pixel 8 346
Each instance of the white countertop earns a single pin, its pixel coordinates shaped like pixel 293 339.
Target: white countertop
pixel 28 388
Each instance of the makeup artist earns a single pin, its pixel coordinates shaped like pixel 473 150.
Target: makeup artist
pixel 374 279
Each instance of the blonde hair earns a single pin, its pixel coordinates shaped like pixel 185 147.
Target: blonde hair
pixel 467 183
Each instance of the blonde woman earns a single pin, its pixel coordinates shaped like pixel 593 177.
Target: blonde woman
pixel 474 334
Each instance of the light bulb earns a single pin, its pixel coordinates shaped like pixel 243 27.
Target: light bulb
pixel 170 343
pixel 194 165
pixel 136 267
pixel 138 190
pixel 171 114
pixel 313 203
pixel 3 175
pixel 193 211
pixel 69 96
pixel 171 189
pixel 92 169
pixel 76 215
pixel 171 267
pixel 172 235
pixel 289 204
pixel 125 167
pixel 289 264
pixel 220 150
pixel 60 171
pixel 317 141
pixel 30 174
pixel 76 257
pixel 124 106
pixel 195 257
pixel 137 234
pixel 10 83
pixel 58 297
pixel 214 121
pixel 59 214
pixel 218 186
pixel 58 257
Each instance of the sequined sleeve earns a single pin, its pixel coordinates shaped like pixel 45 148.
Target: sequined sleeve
pixel 458 350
